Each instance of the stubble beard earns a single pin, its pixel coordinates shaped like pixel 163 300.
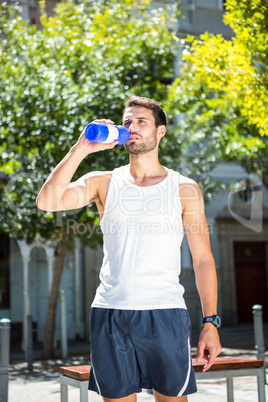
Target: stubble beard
pixel 143 147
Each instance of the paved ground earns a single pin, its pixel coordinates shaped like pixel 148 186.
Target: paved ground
pixel 42 384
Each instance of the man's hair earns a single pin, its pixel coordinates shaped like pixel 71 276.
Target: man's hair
pixel 158 112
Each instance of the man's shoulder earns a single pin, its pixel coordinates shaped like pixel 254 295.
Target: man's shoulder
pixel 190 194
pixel 103 174
pixel 189 188
pixel 184 180
pixel 98 175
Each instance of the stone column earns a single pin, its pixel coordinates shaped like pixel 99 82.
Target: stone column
pixel 25 250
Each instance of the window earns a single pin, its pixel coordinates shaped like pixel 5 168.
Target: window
pixel 246 194
pixel 4 271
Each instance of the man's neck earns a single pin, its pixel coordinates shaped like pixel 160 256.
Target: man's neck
pixel 145 169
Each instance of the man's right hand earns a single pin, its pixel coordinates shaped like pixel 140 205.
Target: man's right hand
pixel 58 193
pixel 89 147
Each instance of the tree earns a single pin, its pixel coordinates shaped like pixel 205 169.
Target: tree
pixel 83 64
pixel 220 97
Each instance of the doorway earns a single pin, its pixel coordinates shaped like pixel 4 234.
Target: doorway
pixel 251 279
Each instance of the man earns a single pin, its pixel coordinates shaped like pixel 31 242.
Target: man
pixel 139 325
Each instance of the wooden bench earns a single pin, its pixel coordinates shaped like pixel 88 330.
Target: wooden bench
pixel 224 367
pixel 230 367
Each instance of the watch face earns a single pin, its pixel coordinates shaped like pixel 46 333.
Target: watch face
pixel 217 321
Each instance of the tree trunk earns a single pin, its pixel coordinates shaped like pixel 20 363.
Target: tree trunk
pixel 48 349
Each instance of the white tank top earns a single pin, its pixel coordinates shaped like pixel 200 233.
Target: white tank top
pixel 142 234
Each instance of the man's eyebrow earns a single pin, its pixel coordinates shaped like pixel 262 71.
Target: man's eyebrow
pixel 141 117
pixel 137 118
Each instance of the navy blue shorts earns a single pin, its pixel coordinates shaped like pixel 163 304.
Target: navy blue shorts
pixel 135 349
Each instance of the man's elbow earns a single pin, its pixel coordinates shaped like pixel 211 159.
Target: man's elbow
pixel 40 204
pixel 43 204
pixel 205 261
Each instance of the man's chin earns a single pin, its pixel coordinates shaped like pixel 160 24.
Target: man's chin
pixel 132 149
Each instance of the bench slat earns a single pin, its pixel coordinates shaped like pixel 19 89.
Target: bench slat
pixel 76 372
pixel 228 363
pixel 221 363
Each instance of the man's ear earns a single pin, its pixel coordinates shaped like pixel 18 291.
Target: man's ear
pixel 161 131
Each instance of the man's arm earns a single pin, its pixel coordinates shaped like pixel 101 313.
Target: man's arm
pixel 58 193
pixel 197 233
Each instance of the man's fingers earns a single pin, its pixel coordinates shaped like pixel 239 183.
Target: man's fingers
pixel 210 356
pixel 209 363
pixel 206 354
pixel 200 352
pixel 113 144
pixel 105 121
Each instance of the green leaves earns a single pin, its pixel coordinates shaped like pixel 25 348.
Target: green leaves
pixel 83 64
pixel 221 93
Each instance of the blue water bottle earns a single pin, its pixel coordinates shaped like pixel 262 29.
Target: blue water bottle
pixel 106 133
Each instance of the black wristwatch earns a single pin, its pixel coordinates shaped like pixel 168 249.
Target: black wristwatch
pixel 214 319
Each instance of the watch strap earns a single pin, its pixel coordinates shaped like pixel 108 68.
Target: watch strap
pixel 213 319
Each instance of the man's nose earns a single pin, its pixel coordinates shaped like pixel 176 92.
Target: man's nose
pixel 132 127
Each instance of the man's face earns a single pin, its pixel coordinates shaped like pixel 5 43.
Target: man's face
pixel 143 133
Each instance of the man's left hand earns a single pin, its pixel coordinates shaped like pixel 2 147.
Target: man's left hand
pixel 208 345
